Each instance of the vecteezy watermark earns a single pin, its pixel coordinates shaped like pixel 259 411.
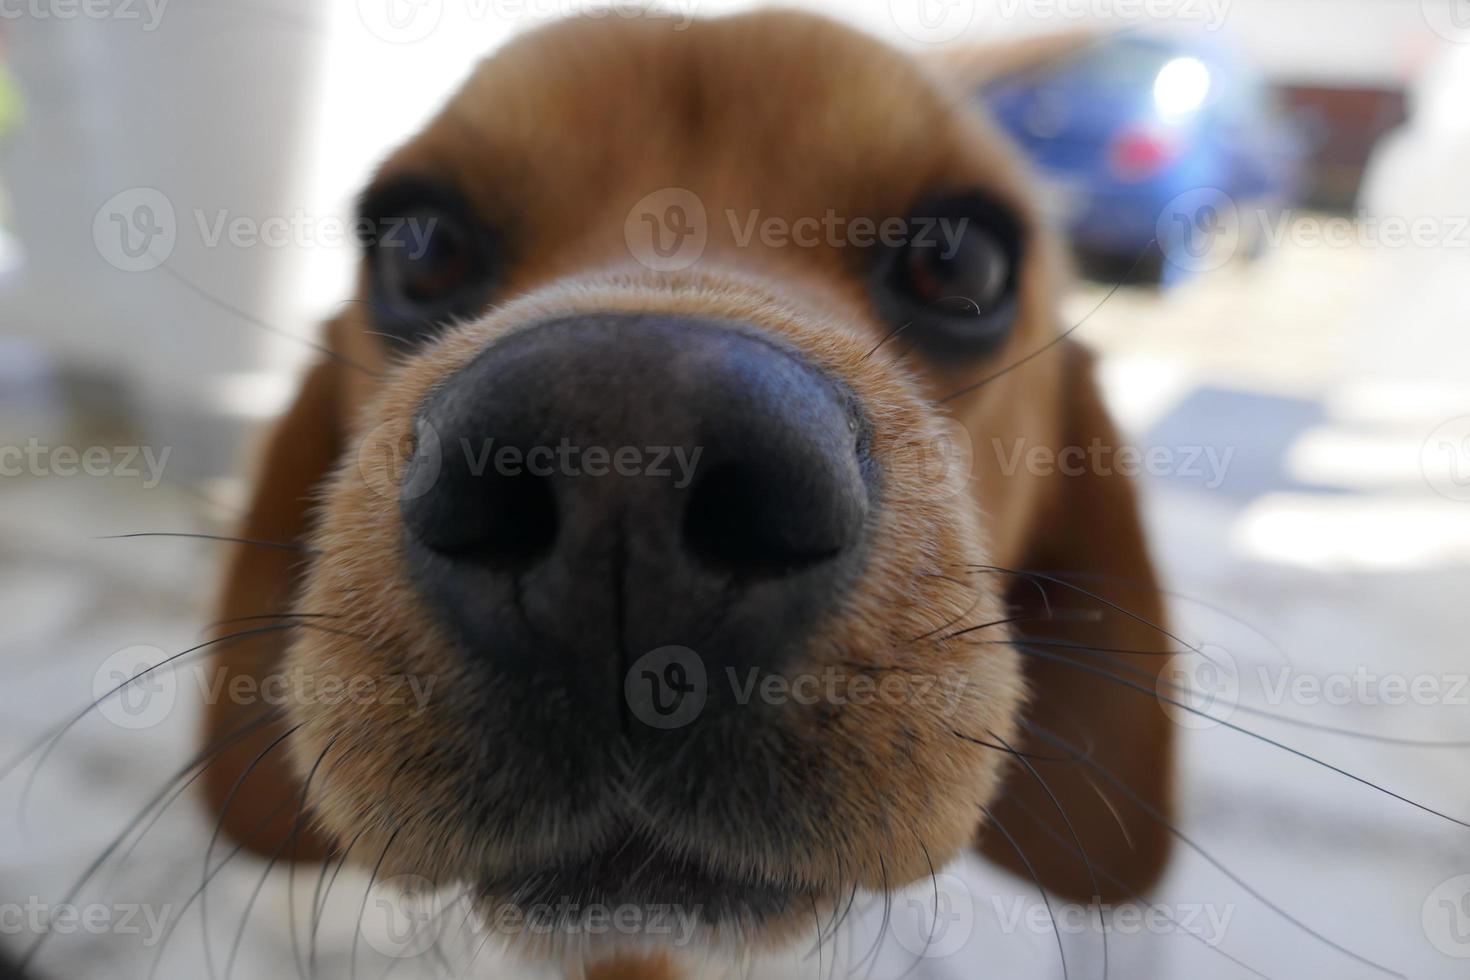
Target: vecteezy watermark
pixel 943 21
pixel 567 458
pixel 405 916
pixel 671 924
pixel 1209 13
pixel 1208 464
pixel 1204 229
pixel 134 689
pixel 410 21
pixel 934 918
pixel 932 21
pixel 669 230
pixel 137 230
pixel 1204 921
pixel 832 230
pixel 1364 687
pixel 1445 459
pixel 1199 231
pixel 38 459
pixel 138 687
pixel 402 467
pixel 670 687
pixel 402 916
pixel 1445 917
pixel 667 688
pixel 1450 19
pixel 941 459
pixel 35 918
pixel 1365 229
pixel 148 13
pixel 1200 688
pixel 846 686
pixel 300 229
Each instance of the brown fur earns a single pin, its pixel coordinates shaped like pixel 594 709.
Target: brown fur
pixel 555 139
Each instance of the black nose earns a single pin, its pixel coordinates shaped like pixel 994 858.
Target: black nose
pixel 589 490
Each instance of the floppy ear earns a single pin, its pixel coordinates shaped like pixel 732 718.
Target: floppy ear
pixel 1093 647
pixel 250 785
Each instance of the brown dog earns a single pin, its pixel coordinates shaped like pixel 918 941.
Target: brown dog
pixel 586 630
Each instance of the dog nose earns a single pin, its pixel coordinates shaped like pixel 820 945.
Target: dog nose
pixel 590 489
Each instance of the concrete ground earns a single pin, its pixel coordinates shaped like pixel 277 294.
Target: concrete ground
pixel 1333 547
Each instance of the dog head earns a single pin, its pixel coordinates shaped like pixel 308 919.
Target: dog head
pixel 670 445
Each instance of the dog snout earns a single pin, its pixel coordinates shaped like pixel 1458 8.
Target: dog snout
pixel 611 484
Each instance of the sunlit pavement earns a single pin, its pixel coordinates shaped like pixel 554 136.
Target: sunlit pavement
pixel 1336 548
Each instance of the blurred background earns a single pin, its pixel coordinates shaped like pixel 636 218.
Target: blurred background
pixel 1270 205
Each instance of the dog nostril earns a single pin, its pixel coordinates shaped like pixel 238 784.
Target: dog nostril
pixel 522 521
pixel 497 520
pixel 741 518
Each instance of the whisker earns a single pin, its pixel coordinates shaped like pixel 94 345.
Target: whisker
pixel 1118 883
pixel 219 828
pixel 377 867
pixel 1260 712
pixel 1059 337
pixel 198 893
pixel 1246 731
pixel 223 743
pixel 1035 878
pixel 204 294
pixel 48 742
pixel 201 762
pixel 975 601
pixel 1185 839
pixel 254 542
pixel 1009 751
pixel 985 626
pixel 1071 829
pixel 291 839
pixel 1138 585
pixel 877 951
pixel 1063 583
pixel 319 900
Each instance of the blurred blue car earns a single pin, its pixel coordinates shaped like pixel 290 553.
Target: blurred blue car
pixel 1143 139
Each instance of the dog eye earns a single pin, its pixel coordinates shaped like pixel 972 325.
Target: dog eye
pixel 429 259
pixel 423 259
pixel 953 279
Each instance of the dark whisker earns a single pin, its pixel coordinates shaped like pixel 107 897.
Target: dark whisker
pixel 1035 878
pixel 260 324
pixel 1063 583
pixel 1245 731
pixel 372 879
pixel 978 598
pixel 219 828
pixel 1059 337
pixel 223 743
pixel 1257 712
pixel 319 900
pixel 290 840
pixel 1118 883
pixel 1008 750
pixel 48 742
pixel 1071 829
pixel 1185 839
pixel 200 761
pixel 984 626
pixel 253 542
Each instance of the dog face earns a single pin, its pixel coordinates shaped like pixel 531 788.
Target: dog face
pixel 701 615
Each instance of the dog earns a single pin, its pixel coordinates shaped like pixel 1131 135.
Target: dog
pixel 704 388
